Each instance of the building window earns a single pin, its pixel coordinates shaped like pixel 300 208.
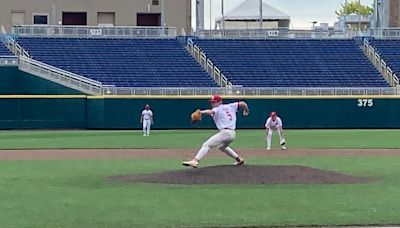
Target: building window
pixel 106 18
pixel 40 19
pixel 156 2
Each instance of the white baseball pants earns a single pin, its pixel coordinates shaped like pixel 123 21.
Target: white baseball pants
pixel 146 127
pixel 221 140
pixel 269 136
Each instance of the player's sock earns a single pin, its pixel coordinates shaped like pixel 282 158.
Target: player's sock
pixel 231 153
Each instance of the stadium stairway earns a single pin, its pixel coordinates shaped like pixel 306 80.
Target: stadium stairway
pixel 389 51
pixel 121 62
pixel 292 63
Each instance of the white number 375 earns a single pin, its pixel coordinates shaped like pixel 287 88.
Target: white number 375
pixel 365 102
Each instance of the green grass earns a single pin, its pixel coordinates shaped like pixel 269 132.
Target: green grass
pixel 194 138
pixel 77 194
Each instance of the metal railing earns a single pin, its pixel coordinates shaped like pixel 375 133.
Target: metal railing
pixel 389 33
pixel 380 64
pixel 207 64
pixel 95 31
pixel 8 60
pixel 60 76
pixel 278 33
pixel 233 91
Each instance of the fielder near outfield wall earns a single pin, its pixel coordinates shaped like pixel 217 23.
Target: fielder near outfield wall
pixel 87 112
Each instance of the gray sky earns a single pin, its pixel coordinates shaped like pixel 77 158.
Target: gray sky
pixel 302 12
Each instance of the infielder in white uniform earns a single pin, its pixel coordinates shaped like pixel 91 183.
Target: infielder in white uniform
pixel 274 124
pixel 147 120
pixel 224 116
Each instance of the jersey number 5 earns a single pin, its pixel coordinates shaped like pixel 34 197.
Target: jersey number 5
pixel 228 114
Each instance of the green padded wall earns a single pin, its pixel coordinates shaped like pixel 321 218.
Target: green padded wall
pixel 14 81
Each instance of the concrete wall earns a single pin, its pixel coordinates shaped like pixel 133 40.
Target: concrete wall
pixel 177 12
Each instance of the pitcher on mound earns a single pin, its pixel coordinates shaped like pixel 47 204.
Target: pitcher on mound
pixel 224 116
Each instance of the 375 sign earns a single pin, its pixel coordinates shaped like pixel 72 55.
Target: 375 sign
pixel 365 102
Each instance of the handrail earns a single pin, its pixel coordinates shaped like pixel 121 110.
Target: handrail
pixel 61 71
pixel 243 91
pixel 380 64
pixel 60 76
pixel 95 31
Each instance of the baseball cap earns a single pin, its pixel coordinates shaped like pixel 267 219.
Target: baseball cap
pixel 272 114
pixel 216 98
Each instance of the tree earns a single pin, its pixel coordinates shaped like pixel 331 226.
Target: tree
pixel 354 7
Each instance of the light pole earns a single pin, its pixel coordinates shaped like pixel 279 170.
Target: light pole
pixel 223 16
pixel 261 14
pixel 210 17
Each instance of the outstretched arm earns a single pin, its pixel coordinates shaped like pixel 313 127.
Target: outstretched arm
pixel 141 118
pixel 207 112
pixel 245 108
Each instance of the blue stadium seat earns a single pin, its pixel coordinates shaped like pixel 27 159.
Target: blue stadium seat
pixel 4 51
pixel 122 62
pixel 389 51
pixel 292 63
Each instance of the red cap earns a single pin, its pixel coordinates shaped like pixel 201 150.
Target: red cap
pixel 216 98
pixel 272 114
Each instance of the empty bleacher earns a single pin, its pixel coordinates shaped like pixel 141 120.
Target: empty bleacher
pixel 292 63
pixel 389 51
pixel 4 51
pixel 121 62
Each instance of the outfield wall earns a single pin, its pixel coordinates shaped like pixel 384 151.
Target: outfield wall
pixel 14 81
pixel 27 112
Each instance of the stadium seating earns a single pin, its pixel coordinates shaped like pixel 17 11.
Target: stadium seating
pixel 122 62
pixel 389 51
pixel 4 51
pixel 292 63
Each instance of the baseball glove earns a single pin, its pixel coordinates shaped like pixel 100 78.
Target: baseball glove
pixel 196 116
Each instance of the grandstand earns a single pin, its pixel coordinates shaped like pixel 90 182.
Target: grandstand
pixel 4 51
pixel 389 50
pixel 121 62
pixel 292 62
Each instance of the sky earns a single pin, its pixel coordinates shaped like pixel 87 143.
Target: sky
pixel 302 12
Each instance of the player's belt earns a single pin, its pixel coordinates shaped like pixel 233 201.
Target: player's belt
pixel 228 129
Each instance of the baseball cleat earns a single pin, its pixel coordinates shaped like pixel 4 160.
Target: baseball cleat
pixel 283 147
pixel 239 162
pixel 144 134
pixel 192 163
pixel 268 148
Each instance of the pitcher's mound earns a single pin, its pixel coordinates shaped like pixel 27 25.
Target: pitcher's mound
pixel 248 174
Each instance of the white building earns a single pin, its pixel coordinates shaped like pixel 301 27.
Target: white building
pixel 247 16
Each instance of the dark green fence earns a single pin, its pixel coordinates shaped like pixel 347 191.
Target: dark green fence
pixel 124 113
pixel 14 81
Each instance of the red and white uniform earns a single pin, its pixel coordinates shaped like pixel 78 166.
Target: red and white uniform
pixel 274 126
pixel 147 116
pixel 224 117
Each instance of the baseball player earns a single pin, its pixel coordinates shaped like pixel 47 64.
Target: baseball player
pixel 224 116
pixel 147 120
pixel 274 124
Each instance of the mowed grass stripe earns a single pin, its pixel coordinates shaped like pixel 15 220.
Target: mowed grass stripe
pixel 192 139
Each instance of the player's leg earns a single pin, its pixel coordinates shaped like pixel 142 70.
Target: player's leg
pixel 212 142
pixel 144 127
pixel 229 137
pixel 281 140
pixel 148 128
pixel 269 139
